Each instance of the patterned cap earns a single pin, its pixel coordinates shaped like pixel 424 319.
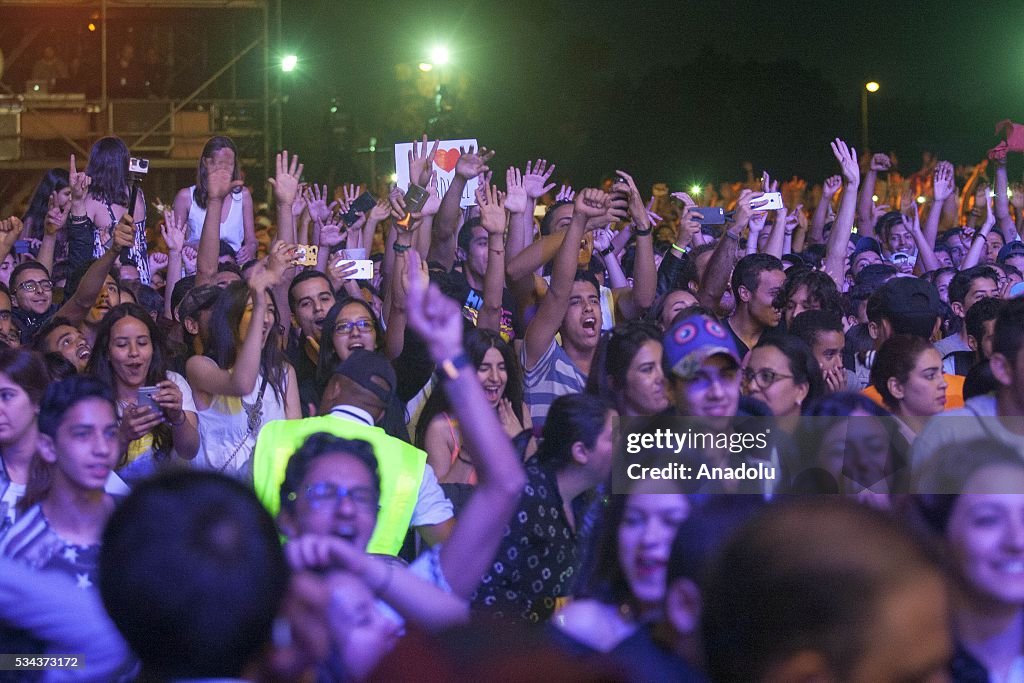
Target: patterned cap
pixel 693 340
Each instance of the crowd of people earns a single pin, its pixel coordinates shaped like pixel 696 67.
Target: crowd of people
pixel 229 453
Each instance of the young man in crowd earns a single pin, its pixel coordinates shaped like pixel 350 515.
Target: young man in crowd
pixel 965 289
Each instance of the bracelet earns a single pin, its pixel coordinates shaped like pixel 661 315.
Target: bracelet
pixel 401 248
pixel 449 369
pixel 386 583
pixel 731 235
pixel 606 251
pixel 681 250
pixel 178 424
pixel 643 233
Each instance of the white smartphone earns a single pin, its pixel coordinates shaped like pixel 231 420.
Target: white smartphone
pixel 364 269
pixel 773 203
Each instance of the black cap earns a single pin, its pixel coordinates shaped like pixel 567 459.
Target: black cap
pixel 908 297
pixel 370 370
pixel 1009 250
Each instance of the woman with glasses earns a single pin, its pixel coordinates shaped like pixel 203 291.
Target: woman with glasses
pixel 155 406
pixel 501 377
pixel 243 381
pixel 628 370
pixel 782 373
pixel 907 373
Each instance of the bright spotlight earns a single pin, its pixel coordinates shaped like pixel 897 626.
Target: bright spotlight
pixel 439 55
pixel 921 199
pixel 289 62
pixel 394 177
pixel 874 197
pixel 694 189
pixel 871 86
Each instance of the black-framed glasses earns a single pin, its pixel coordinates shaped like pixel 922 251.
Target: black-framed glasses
pixel 31 286
pixel 345 328
pixel 325 493
pixel 765 377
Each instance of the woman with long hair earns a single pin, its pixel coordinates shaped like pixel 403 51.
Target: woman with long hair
pixel 628 371
pixel 781 371
pixel 52 190
pixel 129 356
pixel 243 381
pixel 23 380
pixel 907 373
pixel 237 224
pixel 99 199
pixel 501 377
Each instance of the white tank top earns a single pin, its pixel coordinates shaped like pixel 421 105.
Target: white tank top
pixel 226 441
pixel 232 230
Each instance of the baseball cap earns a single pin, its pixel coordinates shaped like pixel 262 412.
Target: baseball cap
pixel 908 297
pixel 370 370
pixel 693 340
pixel 1010 249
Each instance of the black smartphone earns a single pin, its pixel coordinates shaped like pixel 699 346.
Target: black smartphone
pixel 362 204
pixel 711 215
pixel 415 198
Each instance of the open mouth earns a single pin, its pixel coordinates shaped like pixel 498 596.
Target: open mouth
pixel 356 345
pixel 648 566
pixel 493 392
pixel 346 532
pixel 83 353
pixel 590 323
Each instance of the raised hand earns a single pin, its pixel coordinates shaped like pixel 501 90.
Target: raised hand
pixel 173 231
pixel 472 163
pixel 432 315
pixel 245 253
pixel 880 162
pixel 278 260
pixel 421 161
pixel 535 180
pixel 686 199
pixel 124 233
pixel 769 185
pixel 516 199
pixel 602 239
pixel 831 186
pixel 189 256
pixel 748 203
pixel 847 158
pixel 492 209
pixel 565 194
pixel 757 222
pixel 286 178
pixel 592 203
pixel 316 199
pixel 380 211
pixel 433 203
pixel 637 208
pixel 299 205
pixel 507 416
pixel 944 184
pixel 332 234
pixel 55 216
pixel 78 182
pixel 689 225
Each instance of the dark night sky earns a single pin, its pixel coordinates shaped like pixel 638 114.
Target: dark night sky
pixel 675 91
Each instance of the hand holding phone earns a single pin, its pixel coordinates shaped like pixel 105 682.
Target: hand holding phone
pixel 146 399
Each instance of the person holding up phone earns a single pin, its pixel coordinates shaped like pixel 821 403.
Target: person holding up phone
pixel 158 417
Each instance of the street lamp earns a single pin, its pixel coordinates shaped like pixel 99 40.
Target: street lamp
pixel 870 86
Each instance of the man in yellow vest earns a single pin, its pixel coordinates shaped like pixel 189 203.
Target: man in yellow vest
pixel 355 398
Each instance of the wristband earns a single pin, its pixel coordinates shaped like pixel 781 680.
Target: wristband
pixel 681 250
pixel 643 233
pixel 606 251
pixel 178 424
pixel 401 248
pixel 449 369
pixel 731 235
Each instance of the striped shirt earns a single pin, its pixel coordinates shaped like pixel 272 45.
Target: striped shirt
pixel 33 542
pixel 554 375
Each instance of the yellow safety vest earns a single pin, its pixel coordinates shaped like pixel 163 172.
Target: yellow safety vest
pixel 400 466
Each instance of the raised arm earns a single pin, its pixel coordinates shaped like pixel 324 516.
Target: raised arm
pixel 494 219
pixel 639 298
pixel 469 551
pixel 943 187
pixel 286 192
pixel 220 185
pixel 1002 202
pixel 590 203
pixel 723 258
pixel 828 190
pixel 524 189
pixel 81 302
pixel 173 231
pixel 926 259
pixel 55 220
pixel 470 164
pixel 979 243
pixel 865 204
pixel 835 248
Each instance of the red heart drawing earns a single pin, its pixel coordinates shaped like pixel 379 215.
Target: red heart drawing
pixel 445 159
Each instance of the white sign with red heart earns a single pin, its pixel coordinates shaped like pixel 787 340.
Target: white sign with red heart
pixel 448 153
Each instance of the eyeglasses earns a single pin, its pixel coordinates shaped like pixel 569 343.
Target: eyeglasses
pixel 31 286
pixel 765 377
pixel 345 328
pixel 325 493
pixel 5 316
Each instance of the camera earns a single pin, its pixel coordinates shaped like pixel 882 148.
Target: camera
pixel 138 167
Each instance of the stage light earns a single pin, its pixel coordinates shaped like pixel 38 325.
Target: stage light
pixel 921 199
pixel 289 62
pixel 874 197
pixel 694 189
pixel 439 55
pixel 393 177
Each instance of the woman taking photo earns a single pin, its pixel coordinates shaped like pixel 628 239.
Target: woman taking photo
pixel 243 381
pixel 628 370
pixel 907 373
pixel 783 373
pixel 129 357
pixel 500 376
pixel 237 225
pixel 99 199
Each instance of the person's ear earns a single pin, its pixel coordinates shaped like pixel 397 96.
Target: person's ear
pixel 897 389
pixel 191 325
pixel 801 392
pixel 683 606
pixel 460 254
pixel 972 342
pixel 47 449
pixel 579 453
pixel 958 308
pixel 1002 370
pixel 873 330
pixel 743 294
